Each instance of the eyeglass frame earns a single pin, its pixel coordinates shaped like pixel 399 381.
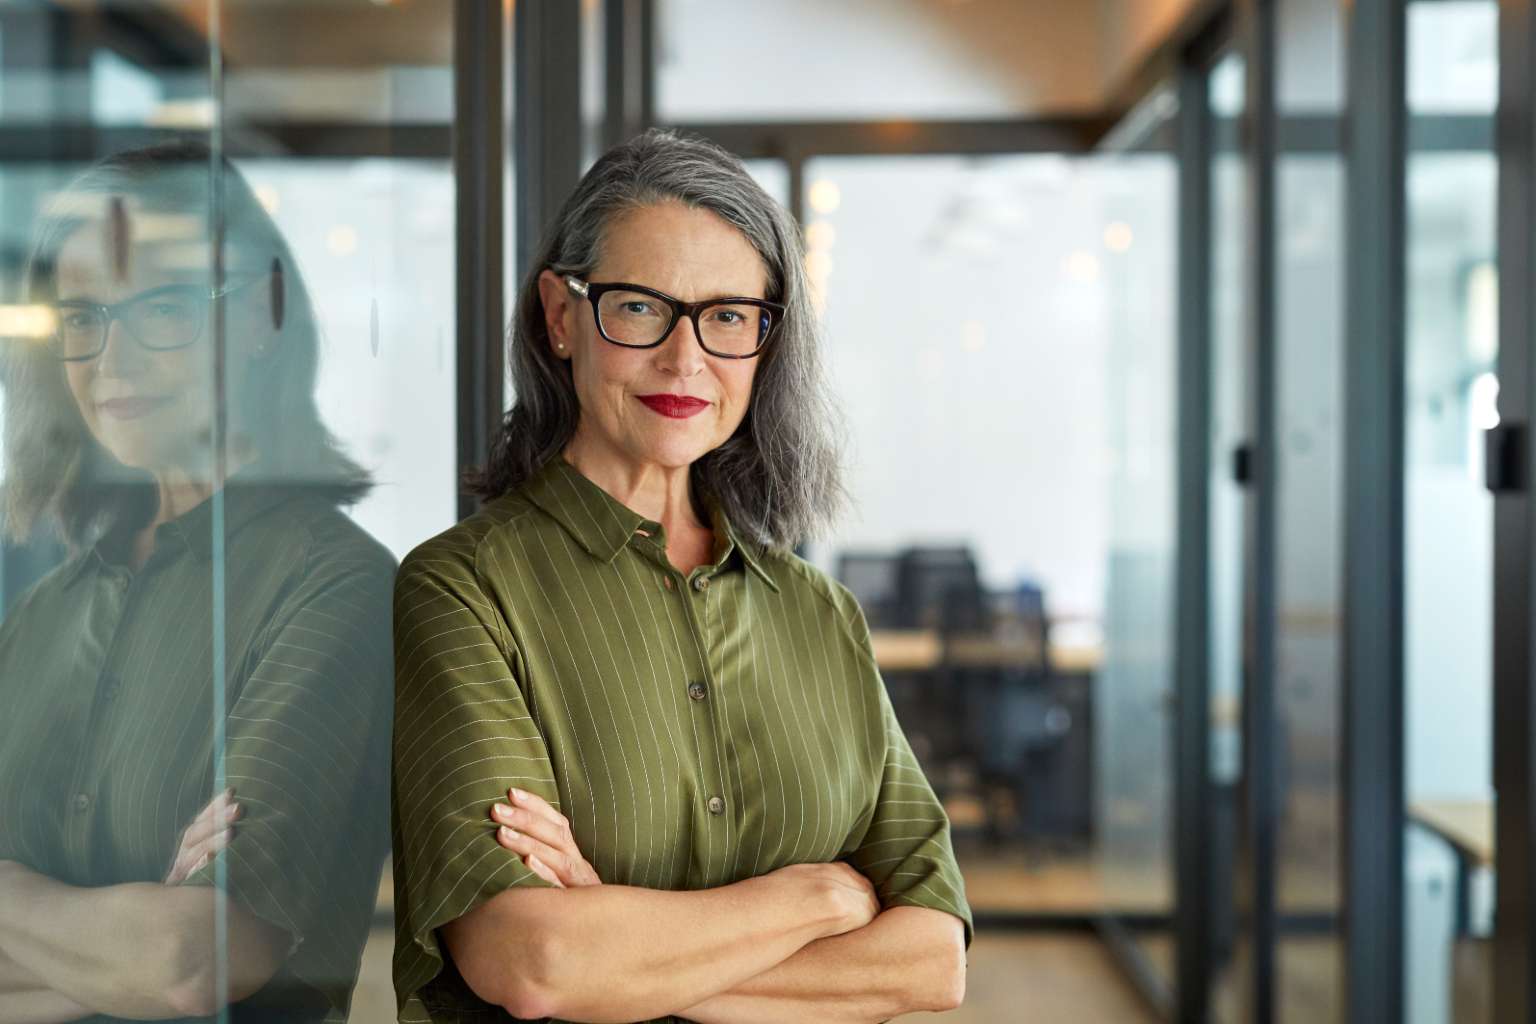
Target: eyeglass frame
pixel 112 313
pixel 594 291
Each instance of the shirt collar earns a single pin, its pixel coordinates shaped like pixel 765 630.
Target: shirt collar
pixel 603 525
pixel 193 530
pixel 243 501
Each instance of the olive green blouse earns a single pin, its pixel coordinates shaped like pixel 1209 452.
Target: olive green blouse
pixel 696 729
pixel 115 684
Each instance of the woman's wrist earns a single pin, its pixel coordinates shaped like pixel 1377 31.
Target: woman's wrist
pixel 822 899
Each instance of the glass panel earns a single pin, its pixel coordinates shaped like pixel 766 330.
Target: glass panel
pixel 201 540
pixel 1307 561
pixel 1309 258
pixel 1452 337
pixel 1065 339
pixel 1229 430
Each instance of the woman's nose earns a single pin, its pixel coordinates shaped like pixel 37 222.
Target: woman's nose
pixel 121 356
pixel 680 351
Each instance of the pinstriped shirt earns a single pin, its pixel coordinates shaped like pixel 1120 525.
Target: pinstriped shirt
pixel 697 730
pixel 107 740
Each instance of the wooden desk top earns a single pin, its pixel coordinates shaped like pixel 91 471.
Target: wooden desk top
pixel 914 650
pixel 1465 824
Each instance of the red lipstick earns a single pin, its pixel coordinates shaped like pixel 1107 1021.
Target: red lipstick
pixel 678 407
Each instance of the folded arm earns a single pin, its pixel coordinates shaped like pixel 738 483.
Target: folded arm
pixel 906 960
pixel 26 999
pixel 138 950
pixel 619 953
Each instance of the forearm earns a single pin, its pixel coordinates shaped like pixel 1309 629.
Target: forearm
pixel 907 959
pixel 140 949
pixel 611 953
pixel 26 999
pixel 39 1006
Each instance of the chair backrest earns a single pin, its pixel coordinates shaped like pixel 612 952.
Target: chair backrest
pixel 939 588
pixel 871 576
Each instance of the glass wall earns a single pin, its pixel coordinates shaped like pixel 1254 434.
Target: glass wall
pixel 1229 313
pixel 1308 332
pixel 226 291
pixel 1452 391
pixel 969 304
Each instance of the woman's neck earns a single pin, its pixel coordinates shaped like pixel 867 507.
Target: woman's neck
pixel 179 491
pixel 661 493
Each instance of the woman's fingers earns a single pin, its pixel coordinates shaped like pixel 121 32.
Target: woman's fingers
pixel 208 833
pixel 571 870
pixel 218 814
pixel 539 807
pixel 192 858
pixel 550 830
pixel 543 871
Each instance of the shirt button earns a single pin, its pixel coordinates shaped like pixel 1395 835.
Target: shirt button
pixel 696 691
pixel 109 687
pixel 82 802
pixel 716 805
pixel 701 584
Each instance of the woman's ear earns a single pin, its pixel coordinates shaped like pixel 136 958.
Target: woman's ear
pixel 558 309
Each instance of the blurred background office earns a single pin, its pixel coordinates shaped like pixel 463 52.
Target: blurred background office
pixel 1186 413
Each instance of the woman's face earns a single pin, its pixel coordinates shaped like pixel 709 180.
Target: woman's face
pixel 691 255
pixel 151 410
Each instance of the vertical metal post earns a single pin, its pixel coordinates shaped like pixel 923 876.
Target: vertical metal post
pixel 1372 720
pixel 1260 804
pixel 630 87
pixel 1192 835
pixel 547 96
pixel 1514 761
pixel 479 152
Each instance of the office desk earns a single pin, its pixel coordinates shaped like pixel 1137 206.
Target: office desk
pixel 1467 826
pixel 916 650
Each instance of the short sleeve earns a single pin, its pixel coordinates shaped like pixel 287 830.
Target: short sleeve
pixel 906 850
pixel 463 736
pixel 306 751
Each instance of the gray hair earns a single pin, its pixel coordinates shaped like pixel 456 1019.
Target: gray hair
pixel 779 476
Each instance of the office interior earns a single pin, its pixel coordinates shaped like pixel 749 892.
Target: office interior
pixel 1185 353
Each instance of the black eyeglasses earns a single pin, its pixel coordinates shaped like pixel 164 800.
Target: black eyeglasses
pixel 635 316
pixel 161 319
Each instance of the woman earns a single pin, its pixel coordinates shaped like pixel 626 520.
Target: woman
pixel 645 766
pixel 196 699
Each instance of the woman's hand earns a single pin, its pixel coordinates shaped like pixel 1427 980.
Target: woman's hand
pixel 209 833
pixel 846 899
pixel 541 835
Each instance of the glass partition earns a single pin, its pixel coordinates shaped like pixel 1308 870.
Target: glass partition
pixel 1000 331
pixel 1452 392
pixel 226 301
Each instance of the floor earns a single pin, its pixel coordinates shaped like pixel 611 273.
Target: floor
pixel 1023 978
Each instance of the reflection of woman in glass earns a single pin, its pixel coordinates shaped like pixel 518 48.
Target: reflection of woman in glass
pixel 645 766
pixel 196 701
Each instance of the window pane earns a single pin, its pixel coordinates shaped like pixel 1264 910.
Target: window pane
pixel 1452 392
pixel 970 303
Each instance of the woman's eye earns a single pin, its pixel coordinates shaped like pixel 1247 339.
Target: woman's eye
pixel 637 308
pixel 730 317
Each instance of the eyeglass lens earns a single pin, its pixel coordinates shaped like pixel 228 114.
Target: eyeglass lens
pixel 168 318
pixel 634 318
